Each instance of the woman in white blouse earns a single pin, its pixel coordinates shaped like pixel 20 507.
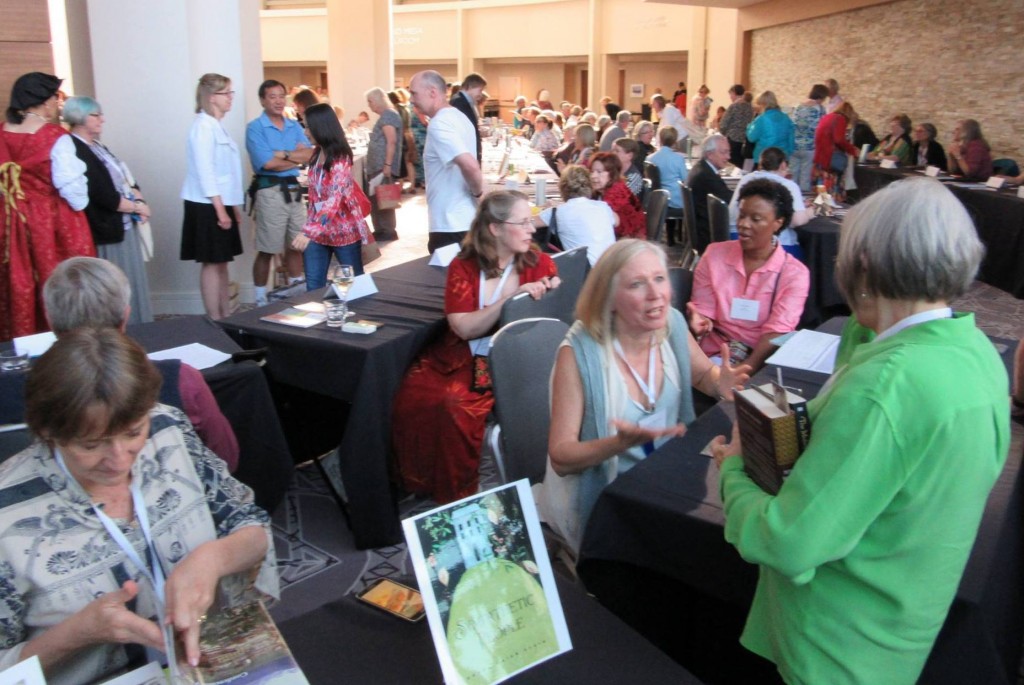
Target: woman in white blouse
pixel 213 194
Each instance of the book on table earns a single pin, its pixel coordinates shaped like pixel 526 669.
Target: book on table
pixel 293 316
pixel 774 429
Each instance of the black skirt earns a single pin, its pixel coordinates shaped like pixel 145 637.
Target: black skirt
pixel 202 240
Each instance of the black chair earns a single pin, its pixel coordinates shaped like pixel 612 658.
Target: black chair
pixel 689 217
pixel 559 303
pixel 718 213
pixel 645 193
pixel 653 173
pixel 521 358
pixel 682 287
pixel 13 439
pixel 657 208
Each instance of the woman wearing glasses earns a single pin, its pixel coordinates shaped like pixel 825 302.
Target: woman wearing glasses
pixel 213 194
pixel 442 406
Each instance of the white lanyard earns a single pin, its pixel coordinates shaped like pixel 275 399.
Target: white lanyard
pixel 153 571
pixel 481 346
pixel 646 388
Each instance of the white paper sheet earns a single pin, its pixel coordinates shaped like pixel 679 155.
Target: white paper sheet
pixel 362 286
pixel 808 350
pixel 443 256
pixel 27 672
pixel 194 354
pixel 36 344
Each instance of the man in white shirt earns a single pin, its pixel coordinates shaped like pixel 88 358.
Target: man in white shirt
pixel 451 170
pixel 669 115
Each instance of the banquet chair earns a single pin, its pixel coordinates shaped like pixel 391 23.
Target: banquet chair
pixel 718 213
pixel 645 193
pixel 689 218
pixel 521 357
pixel 657 209
pixel 682 286
pixel 559 303
pixel 13 438
pixel 653 174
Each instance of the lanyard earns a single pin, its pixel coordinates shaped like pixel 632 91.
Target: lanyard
pixel 481 346
pixel 153 571
pixel 647 390
pixel 913 320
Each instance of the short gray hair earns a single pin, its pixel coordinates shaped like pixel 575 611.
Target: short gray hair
pixel 711 142
pixel 377 94
pixel 623 117
pixel 912 240
pixel 78 108
pixel 85 291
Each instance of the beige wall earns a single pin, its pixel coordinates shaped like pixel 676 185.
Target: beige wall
pixel 425 35
pixel 24 42
pixel 883 68
pixel 295 75
pixel 294 36
pixel 498 32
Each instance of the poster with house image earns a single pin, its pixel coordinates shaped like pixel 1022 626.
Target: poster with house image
pixel 487 585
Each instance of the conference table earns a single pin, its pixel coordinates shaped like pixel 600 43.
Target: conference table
pixel 998 216
pixel 241 390
pixel 363 371
pixel 379 648
pixel 663 519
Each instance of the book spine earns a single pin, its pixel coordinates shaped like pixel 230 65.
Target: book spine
pixel 803 424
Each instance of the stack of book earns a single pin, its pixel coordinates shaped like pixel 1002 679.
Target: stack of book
pixel 774 429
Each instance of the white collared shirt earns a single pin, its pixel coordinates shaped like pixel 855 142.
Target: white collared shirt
pixel 214 164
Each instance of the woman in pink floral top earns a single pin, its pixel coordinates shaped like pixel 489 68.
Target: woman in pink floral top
pixel 335 224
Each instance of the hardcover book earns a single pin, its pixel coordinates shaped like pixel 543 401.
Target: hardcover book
pixel 775 429
pixel 293 316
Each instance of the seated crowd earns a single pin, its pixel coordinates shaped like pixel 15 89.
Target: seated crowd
pixel 878 497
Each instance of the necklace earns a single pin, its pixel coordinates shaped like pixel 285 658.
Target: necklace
pixel 37 116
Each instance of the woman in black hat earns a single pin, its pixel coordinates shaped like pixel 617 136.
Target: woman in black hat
pixel 44 190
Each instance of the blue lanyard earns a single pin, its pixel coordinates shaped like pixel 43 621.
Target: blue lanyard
pixel 647 388
pixel 153 571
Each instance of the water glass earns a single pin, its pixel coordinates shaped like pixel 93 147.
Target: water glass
pixel 335 310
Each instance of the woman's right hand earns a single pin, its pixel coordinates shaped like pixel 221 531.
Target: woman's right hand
pixel 300 242
pixel 631 434
pixel 536 289
pixel 700 325
pixel 107 619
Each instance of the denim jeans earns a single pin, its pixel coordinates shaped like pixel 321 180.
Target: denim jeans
pixel 800 164
pixel 316 258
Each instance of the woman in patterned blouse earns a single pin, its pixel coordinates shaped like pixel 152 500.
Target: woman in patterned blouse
pixel 117 526
pixel 335 224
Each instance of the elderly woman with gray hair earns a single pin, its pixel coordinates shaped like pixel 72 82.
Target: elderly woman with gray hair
pixel 116 204
pixel 384 159
pixel 862 549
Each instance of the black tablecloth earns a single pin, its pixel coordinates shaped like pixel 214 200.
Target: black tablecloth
pixel 241 390
pixel 998 215
pixel 820 242
pixel 665 515
pixel 364 370
pixel 378 648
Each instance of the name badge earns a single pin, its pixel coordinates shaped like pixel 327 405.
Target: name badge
pixel 887 164
pixel 932 171
pixel 1020 192
pixel 995 182
pixel 744 310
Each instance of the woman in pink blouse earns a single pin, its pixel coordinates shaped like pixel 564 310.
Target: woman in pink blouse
pixel 335 224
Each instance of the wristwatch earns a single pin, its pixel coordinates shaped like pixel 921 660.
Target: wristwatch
pixel 287 156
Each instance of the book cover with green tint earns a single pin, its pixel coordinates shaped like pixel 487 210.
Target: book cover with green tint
pixel 487 585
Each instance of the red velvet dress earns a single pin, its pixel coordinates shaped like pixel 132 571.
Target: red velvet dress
pixel 40 229
pixel 438 419
pixel 625 204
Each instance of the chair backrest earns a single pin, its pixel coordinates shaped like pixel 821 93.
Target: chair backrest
pixel 652 172
pixel 1005 166
pixel 682 286
pixel 559 303
pixel 657 208
pixel 645 193
pixel 718 213
pixel 521 358
pixel 689 215
pixel 13 439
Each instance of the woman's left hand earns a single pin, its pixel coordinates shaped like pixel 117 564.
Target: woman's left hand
pixel 722 450
pixel 631 434
pixel 731 377
pixel 300 242
pixel 190 591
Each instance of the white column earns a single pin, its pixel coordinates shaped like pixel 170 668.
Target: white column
pixel 147 58
pixel 359 51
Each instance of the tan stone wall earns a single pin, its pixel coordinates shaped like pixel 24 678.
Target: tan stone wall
pixel 936 60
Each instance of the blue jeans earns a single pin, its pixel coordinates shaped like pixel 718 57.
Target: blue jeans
pixel 316 258
pixel 800 164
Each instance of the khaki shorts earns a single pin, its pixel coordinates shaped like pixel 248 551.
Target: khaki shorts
pixel 277 222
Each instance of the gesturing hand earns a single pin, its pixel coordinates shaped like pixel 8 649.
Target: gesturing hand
pixel 699 324
pixel 107 619
pixel 721 450
pixel 190 591
pixel 731 377
pixel 631 434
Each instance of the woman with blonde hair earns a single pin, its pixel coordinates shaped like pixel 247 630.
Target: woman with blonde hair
pixel 584 145
pixel 213 194
pixel 621 383
pixel 580 221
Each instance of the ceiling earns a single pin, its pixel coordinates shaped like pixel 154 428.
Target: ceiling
pixel 728 4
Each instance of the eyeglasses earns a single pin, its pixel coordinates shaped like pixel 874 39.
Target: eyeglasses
pixel 96 114
pixel 522 224
pixel 229 93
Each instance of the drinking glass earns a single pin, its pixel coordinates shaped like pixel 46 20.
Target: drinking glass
pixel 342 276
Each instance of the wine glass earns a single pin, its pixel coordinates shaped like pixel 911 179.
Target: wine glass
pixel 342 276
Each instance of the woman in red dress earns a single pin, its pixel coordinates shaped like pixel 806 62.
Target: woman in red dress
pixel 43 186
pixel 441 408
pixel 606 176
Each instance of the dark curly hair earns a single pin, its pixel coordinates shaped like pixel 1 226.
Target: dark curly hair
pixel 775 193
